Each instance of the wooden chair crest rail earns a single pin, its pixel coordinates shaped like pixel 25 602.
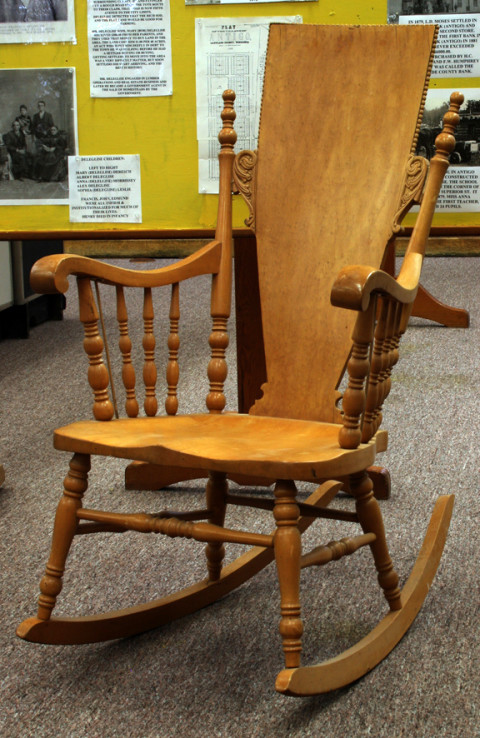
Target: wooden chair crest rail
pixel 366 180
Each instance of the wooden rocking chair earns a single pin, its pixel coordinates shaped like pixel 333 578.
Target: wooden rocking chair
pixel 367 124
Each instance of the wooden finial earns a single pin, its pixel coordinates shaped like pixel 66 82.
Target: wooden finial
pixel 445 141
pixel 227 135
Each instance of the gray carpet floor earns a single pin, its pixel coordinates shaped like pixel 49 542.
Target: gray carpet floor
pixel 212 673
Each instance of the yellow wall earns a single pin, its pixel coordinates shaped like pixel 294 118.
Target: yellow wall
pixel 163 129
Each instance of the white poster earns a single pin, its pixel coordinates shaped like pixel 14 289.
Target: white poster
pixel 130 48
pixel 457 53
pixel 229 54
pixel 105 189
pixel 36 21
pixel 460 191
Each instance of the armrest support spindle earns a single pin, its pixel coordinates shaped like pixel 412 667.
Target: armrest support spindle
pixel 93 344
pixel 171 403
pixel 149 368
pixel 358 367
pixel 125 345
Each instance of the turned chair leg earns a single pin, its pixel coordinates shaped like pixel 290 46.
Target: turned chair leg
pixel 75 485
pixel 370 518
pixel 288 549
pixel 216 493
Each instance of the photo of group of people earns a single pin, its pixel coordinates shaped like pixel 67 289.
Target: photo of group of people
pixel 36 21
pixel 35 147
pixel 37 134
pixel 30 11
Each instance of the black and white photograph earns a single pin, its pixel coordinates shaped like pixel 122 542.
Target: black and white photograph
pixel 37 134
pixel 461 187
pixel 430 7
pixel 31 11
pixel 467 135
pixel 27 21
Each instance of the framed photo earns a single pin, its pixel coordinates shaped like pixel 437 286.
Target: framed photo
pixel 41 21
pixel 38 132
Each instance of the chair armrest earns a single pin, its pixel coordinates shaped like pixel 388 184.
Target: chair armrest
pixel 355 284
pixel 50 274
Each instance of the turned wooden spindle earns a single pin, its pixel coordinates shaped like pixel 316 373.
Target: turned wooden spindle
pixel 378 361
pixel 125 345
pixel 217 366
pixel 216 494
pixel 65 527
pixel 394 334
pixel 149 368
pixel 384 357
pixel 227 138
pixel 370 518
pixel 173 372
pixel 227 135
pixel 106 348
pixel 98 377
pixel 445 141
pixel 388 327
pixel 169 526
pixel 353 402
pixel 335 550
pixel 288 550
pixel 222 285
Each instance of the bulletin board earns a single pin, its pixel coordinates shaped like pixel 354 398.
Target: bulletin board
pixel 162 130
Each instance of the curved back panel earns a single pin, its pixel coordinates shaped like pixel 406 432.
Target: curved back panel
pixel 340 114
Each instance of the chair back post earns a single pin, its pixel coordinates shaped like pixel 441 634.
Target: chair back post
pixel 222 280
pixel 222 283
pixel 444 145
pixel 409 274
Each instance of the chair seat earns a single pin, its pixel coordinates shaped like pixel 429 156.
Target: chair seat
pixel 263 446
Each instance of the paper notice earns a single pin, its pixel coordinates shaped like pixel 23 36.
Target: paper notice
pixel 105 189
pixel 129 48
pixel 460 191
pixel 229 54
pixel 457 53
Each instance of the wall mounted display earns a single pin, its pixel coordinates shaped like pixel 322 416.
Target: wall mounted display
pixel 151 113
pixel 40 21
pixel 37 133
